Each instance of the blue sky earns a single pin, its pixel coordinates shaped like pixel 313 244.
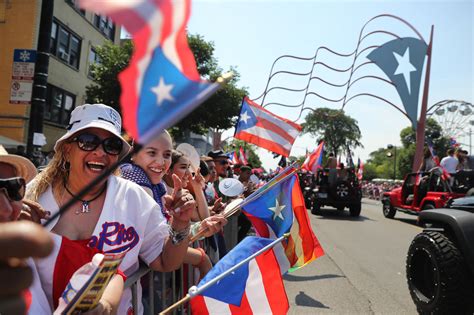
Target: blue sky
pixel 252 34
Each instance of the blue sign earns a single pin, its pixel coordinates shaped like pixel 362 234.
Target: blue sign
pixel 24 55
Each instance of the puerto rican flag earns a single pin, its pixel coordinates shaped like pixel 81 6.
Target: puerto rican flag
pixel 243 158
pixel 315 159
pixel 254 288
pixel 161 85
pixel 360 170
pixel 261 127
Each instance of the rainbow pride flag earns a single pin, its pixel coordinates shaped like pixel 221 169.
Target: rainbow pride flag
pixel 280 210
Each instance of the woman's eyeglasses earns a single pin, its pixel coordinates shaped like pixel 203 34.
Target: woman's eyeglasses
pixel 14 188
pixel 90 142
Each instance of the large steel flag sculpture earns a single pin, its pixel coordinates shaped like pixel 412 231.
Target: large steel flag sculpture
pixel 402 61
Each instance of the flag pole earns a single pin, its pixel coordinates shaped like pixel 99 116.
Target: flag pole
pixel 193 291
pixel 280 177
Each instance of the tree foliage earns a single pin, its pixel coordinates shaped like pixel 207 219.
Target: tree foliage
pixel 383 165
pixel 113 59
pixel 339 131
pixel 218 112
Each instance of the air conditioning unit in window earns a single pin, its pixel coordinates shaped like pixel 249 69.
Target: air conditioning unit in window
pixel 64 56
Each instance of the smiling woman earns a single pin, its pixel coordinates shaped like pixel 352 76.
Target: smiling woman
pixel 116 215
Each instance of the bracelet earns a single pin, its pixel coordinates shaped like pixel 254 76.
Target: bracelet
pixel 203 256
pixel 178 236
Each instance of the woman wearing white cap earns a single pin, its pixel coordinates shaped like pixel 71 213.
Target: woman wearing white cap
pixel 114 216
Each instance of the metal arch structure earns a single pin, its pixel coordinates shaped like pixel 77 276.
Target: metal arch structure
pixel 345 97
pixel 454 116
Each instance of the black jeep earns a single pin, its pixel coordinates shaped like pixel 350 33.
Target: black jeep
pixel 344 191
pixel 440 260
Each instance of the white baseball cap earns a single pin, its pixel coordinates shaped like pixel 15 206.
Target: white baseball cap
pixel 24 167
pixel 94 116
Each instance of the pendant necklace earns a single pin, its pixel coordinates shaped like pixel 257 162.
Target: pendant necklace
pixel 85 203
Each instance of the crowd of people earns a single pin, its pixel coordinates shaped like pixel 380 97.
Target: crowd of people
pixel 149 207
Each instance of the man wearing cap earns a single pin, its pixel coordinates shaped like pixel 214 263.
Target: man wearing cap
pixel 222 162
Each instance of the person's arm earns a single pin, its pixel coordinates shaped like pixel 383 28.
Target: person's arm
pixel 181 206
pixel 110 300
pixel 202 209
pixel 19 240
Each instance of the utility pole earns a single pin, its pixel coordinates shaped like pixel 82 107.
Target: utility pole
pixel 40 81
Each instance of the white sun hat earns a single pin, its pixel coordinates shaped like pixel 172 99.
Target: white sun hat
pixel 190 152
pixel 94 116
pixel 24 167
pixel 231 187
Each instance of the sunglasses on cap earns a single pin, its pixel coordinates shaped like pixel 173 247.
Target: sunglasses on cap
pixel 90 142
pixel 14 188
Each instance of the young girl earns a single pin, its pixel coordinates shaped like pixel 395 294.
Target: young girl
pixel 148 168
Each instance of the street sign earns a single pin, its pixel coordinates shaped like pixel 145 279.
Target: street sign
pixel 23 72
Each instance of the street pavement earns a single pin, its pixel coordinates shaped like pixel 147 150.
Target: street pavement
pixel 363 269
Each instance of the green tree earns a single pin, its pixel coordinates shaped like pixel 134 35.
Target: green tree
pixel 220 111
pixel 433 133
pixel 339 131
pixel 113 59
pixel 381 164
pixel 250 151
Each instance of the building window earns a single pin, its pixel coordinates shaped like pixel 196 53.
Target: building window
pixel 65 45
pixel 93 59
pixel 59 105
pixel 75 5
pixel 105 26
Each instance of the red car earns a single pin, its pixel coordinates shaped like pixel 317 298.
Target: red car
pixel 421 191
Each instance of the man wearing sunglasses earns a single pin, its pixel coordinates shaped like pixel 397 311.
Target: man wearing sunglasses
pixel 19 240
pixel 222 162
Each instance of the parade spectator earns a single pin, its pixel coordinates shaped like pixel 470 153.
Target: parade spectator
pixel 243 223
pixel 222 162
pixel 449 162
pixel 115 215
pixel 20 240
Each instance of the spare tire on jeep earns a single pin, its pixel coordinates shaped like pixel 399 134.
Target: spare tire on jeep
pixel 342 190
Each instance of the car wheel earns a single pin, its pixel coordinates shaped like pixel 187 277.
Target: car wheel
pixel 316 209
pixel 354 210
pixel 436 275
pixel 388 210
pixel 428 206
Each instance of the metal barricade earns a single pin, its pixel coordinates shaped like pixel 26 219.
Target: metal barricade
pixel 176 292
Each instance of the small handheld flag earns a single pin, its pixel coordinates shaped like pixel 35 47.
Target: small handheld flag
pixel 161 85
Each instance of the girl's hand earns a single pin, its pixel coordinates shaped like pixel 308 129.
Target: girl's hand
pixel 198 179
pixel 180 204
pixel 212 225
pixel 218 206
